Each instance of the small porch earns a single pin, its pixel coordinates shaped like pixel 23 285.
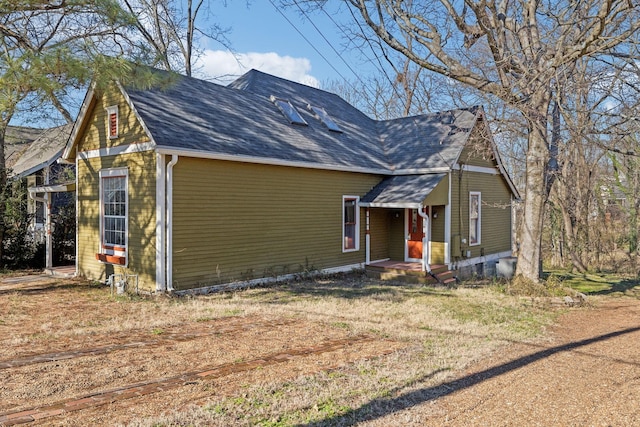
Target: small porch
pixel 408 228
pixel 411 272
pixel 44 195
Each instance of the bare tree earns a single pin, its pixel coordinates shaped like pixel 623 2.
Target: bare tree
pixel 170 31
pixel 383 97
pixel 51 46
pixel 533 46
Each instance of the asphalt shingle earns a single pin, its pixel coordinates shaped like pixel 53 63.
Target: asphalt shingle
pixel 241 120
pixel 43 151
pixel 402 190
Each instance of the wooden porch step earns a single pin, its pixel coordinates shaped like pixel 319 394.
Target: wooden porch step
pixel 444 277
pixel 411 273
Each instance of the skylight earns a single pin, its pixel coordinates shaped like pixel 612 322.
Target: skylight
pixel 289 111
pixel 322 115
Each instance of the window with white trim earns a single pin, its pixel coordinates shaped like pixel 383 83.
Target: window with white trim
pixel 350 223
pixel 475 215
pixel 112 121
pixel 114 216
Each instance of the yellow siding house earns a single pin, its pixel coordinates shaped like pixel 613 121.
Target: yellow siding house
pixel 192 185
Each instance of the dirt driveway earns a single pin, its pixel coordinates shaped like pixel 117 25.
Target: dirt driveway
pixel 75 367
pixel 587 373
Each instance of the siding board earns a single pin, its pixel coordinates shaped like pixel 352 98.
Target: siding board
pixel 380 221
pixel 495 211
pixel 141 187
pixel 94 133
pixel 248 221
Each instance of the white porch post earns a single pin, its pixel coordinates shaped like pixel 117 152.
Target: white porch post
pixel 447 227
pixel 48 264
pixel 367 239
pixel 48 238
pixel 426 227
pixel 169 223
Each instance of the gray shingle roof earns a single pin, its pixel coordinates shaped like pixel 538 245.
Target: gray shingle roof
pixel 428 141
pixel 197 115
pixel 42 152
pixel 402 190
pixel 16 140
pixel 241 120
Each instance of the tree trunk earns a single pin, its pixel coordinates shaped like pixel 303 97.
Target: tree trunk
pixel 3 185
pixel 529 257
pixel 572 239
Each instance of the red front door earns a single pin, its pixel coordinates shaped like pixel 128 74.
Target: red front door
pixel 415 234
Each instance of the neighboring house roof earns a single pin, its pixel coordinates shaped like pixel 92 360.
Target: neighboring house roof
pixel 17 139
pixel 42 152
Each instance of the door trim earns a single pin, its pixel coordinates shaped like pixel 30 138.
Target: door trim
pixel 407 214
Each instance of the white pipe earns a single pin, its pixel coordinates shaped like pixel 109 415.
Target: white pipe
pixel 447 226
pixel 161 210
pixel 77 170
pixel 36 198
pixel 425 240
pixel 169 216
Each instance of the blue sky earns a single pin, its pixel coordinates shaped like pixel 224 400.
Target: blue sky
pixel 263 39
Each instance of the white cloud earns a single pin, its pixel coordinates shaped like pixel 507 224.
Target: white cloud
pixel 224 66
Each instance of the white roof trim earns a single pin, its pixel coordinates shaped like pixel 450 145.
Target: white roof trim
pixel 298 164
pixel 267 161
pixel 66 153
pixel 82 116
pixel 479 169
pixel 425 171
pixel 114 151
pixel 494 148
pixel 57 188
pixel 133 108
pixel 399 205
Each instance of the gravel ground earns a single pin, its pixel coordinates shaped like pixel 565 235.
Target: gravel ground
pixel 586 374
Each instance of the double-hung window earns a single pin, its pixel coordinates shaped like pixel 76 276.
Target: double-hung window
pixel 350 223
pixel 475 215
pixel 113 216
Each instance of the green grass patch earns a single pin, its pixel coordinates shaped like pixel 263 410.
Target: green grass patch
pixel 595 283
pixel 341 325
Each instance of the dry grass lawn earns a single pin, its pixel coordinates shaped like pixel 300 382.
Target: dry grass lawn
pixel 404 337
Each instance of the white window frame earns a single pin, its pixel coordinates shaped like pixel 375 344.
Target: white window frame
pixel 356 237
pixel 113 110
pixel 110 253
pixel 478 230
